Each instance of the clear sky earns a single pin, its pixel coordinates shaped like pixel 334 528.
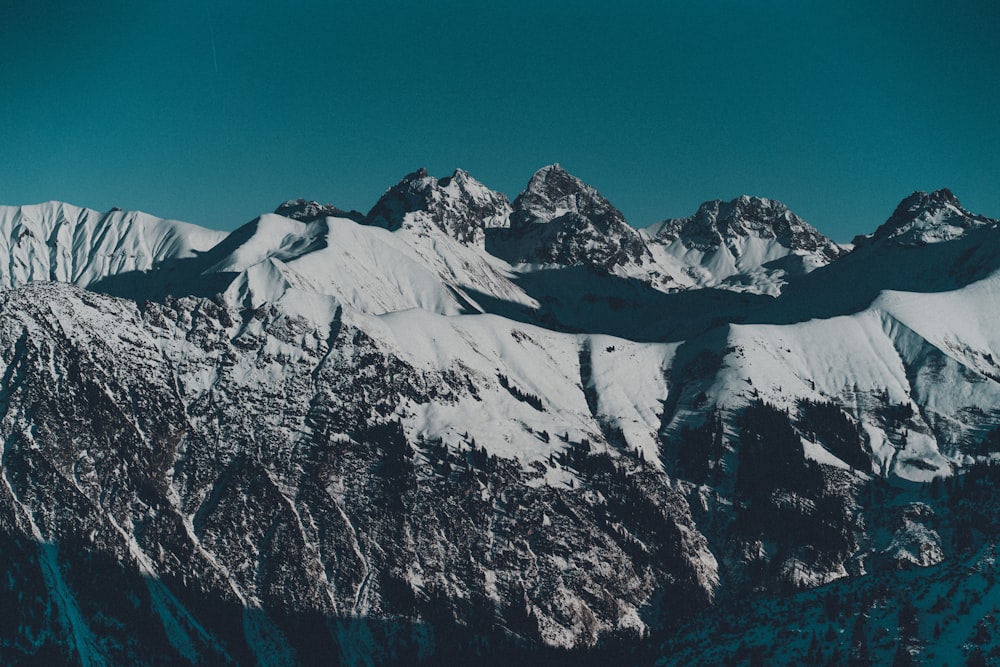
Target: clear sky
pixel 214 111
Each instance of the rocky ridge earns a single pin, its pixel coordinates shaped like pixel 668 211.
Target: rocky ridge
pixel 924 218
pixel 717 223
pixel 558 219
pixel 459 205
pixel 379 443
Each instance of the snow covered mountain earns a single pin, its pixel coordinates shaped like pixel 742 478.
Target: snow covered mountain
pixel 749 243
pixel 459 205
pixel 457 425
pixel 924 218
pixel 56 241
pixel 559 220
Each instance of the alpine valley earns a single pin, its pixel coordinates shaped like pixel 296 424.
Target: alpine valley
pixel 463 430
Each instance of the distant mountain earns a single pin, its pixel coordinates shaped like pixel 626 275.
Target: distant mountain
pixel 924 218
pixel 929 244
pixel 459 428
pixel 559 220
pixel 56 241
pixel 749 243
pixel 460 206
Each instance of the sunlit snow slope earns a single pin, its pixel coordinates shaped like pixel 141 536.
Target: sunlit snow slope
pixel 460 420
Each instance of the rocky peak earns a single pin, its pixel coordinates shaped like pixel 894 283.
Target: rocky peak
pixel 458 205
pixel 310 211
pixel 559 219
pixel 553 192
pixel 720 222
pixel 924 218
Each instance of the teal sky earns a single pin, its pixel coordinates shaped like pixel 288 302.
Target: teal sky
pixel 214 111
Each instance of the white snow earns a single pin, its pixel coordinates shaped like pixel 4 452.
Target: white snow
pixel 57 241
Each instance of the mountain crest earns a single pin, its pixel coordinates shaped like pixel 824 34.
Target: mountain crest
pixel 553 192
pixel 559 219
pixel 458 205
pixel 310 211
pixel 923 218
pixel 719 222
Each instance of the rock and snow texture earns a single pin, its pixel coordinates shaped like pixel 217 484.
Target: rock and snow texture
pixel 290 466
pixel 749 243
pixel 309 211
pixel 560 220
pixel 459 205
pixel 374 437
pixel 925 218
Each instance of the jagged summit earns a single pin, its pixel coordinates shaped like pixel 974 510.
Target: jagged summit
pixel 717 222
pixel 923 218
pixel 309 211
pixel 458 205
pixel 558 219
pixel 553 192
pixel 749 244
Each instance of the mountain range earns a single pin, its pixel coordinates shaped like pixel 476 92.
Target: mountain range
pixel 460 425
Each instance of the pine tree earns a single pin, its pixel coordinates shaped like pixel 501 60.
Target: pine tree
pixel 860 655
pixel 902 658
pixel 976 658
pixel 909 623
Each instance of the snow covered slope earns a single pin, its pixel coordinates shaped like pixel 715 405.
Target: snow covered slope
pixel 56 241
pixel 929 244
pixel 367 267
pixel 459 422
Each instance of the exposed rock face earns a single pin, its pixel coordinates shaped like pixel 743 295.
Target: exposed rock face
pixel 559 219
pixel 246 484
pixel 295 444
pixel 310 211
pixel 459 205
pixel 717 223
pixel 553 192
pixel 749 244
pixel 924 218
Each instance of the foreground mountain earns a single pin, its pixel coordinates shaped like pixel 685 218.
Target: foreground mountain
pixel 459 427
pixel 939 614
pixel 265 489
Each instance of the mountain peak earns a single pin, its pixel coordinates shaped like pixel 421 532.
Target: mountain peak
pixel 553 192
pixel 553 172
pixel 923 218
pixel 719 222
pixel 920 202
pixel 458 205
pixel 559 219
